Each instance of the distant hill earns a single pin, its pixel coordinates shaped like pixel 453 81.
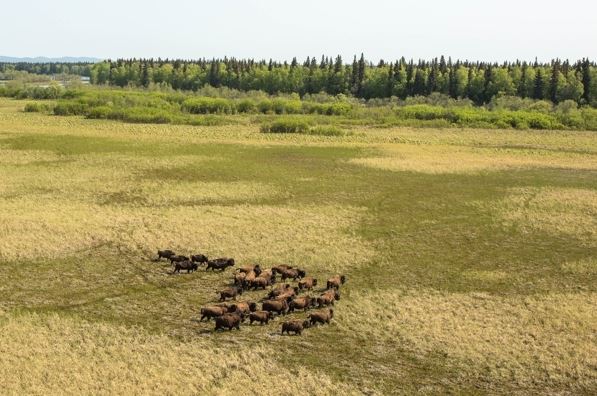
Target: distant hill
pixel 42 59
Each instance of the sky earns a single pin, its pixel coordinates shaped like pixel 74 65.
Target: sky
pixel 280 29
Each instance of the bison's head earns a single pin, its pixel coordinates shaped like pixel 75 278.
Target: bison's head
pixel 306 324
pixel 337 295
pixel 342 279
pixel 252 307
pixel 301 273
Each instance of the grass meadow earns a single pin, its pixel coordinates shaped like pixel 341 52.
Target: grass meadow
pixel 471 257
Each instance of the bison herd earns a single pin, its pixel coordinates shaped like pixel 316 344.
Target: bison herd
pixel 280 299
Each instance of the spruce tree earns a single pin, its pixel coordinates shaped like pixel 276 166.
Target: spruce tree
pixel 538 88
pixel 586 80
pixel 553 82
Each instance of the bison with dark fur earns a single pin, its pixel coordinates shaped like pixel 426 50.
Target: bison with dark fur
pixel 220 264
pixel 229 321
pixel 185 265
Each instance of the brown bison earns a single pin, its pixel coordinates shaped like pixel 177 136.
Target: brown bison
pixel 243 307
pixel 303 302
pixel 165 254
pixel 230 292
pixel 336 281
pixel 185 265
pixel 295 326
pixel 246 269
pixel 287 293
pixel 307 283
pixel 213 312
pixel 220 264
pixel 278 306
pixel 259 283
pixel 229 321
pixel 293 273
pixel 199 258
pixel 280 268
pixel 322 316
pixel 276 291
pixel 177 259
pixel 239 278
pixel 260 316
pixel 328 298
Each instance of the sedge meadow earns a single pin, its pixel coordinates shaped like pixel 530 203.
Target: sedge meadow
pixel 470 256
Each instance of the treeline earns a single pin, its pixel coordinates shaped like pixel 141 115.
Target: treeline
pixel 556 81
pixel 50 68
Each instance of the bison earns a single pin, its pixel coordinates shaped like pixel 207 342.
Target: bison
pixel 307 283
pixel 230 292
pixel 328 298
pixel 239 279
pixel 259 283
pixel 322 316
pixel 280 268
pixel 256 268
pixel 165 254
pixel 276 291
pixel 278 306
pixel 244 307
pixel 177 259
pixel 260 316
pixel 220 264
pixel 229 321
pixel 199 258
pixel 185 265
pixel 295 326
pixel 304 302
pixel 336 281
pixel 213 312
pixel 293 273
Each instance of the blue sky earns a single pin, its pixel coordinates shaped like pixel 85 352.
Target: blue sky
pixel 281 29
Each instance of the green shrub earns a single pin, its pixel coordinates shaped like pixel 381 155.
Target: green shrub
pixel 37 107
pixel 100 112
pixel 326 130
pixel 70 108
pixel 208 106
pixel 422 112
pixel 288 125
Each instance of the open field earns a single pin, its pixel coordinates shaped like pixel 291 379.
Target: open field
pixel 471 257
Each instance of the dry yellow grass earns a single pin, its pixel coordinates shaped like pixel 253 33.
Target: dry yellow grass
pixel 438 159
pixel 44 355
pixel 38 228
pixel 549 339
pixel 570 211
